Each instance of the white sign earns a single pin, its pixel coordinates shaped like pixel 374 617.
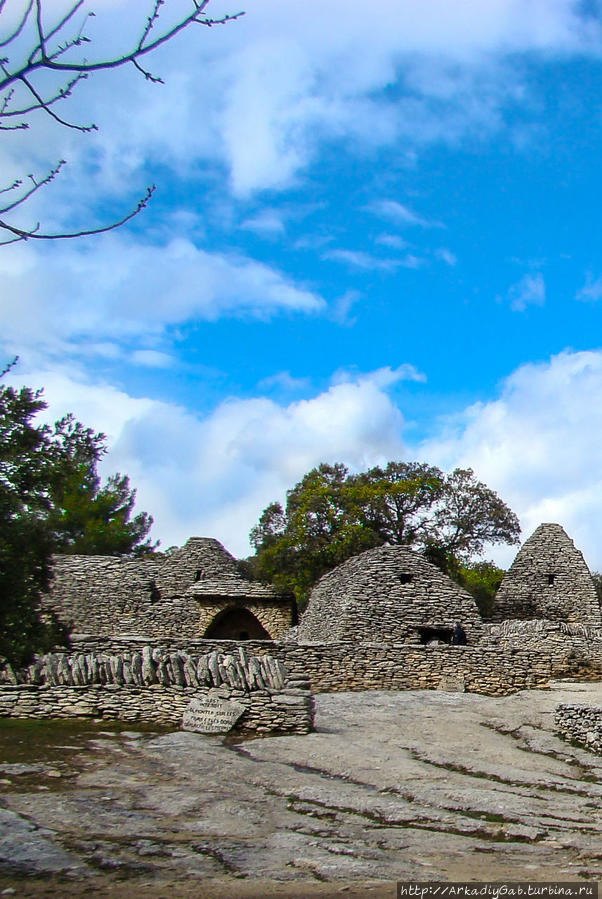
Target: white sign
pixel 212 715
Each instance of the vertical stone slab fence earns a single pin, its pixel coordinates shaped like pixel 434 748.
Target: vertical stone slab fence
pixel 494 666
pixel 158 684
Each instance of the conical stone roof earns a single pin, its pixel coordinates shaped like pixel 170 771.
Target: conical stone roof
pixel 387 594
pixel 549 579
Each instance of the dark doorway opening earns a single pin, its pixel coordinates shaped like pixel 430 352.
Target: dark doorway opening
pixel 236 624
pixel 432 634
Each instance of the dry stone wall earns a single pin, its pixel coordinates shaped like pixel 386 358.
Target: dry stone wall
pixel 549 579
pixel 581 723
pixel 491 668
pixel 170 597
pixel 157 684
pixel 388 593
pixel 581 644
pixel 274 616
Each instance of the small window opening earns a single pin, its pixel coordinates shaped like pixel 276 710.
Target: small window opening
pixel 431 636
pixel 405 577
pixel 551 579
pixel 155 594
pixel 198 574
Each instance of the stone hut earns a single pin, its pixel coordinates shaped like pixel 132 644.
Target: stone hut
pixel 387 594
pixel 196 592
pixel 549 579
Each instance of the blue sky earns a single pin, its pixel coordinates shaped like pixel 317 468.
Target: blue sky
pixel 375 236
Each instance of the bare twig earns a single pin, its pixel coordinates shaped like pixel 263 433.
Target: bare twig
pixel 36 186
pixel 41 38
pixel 20 26
pixel 13 186
pixel 68 15
pixel 62 94
pixel 43 105
pixel 49 63
pixel 48 53
pixel 34 233
pixel 12 364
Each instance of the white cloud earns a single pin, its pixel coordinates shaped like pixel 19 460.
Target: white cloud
pixel 391 240
pixel 283 380
pixel 117 288
pixel 536 445
pixel 383 377
pixel 591 291
pixel 341 308
pixel 361 260
pixel 152 359
pixel 529 291
pixel 266 223
pixel 446 256
pixel 213 476
pixel 262 94
pixel 400 214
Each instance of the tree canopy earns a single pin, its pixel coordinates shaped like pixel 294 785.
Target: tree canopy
pixel 331 515
pixel 52 499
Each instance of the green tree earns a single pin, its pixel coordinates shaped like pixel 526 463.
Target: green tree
pixel 397 502
pixel 85 516
pixel 26 542
pixel 320 528
pixel 482 581
pixel 331 515
pixel 51 500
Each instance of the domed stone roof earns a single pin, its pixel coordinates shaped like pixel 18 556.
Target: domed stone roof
pixel 388 594
pixel 549 579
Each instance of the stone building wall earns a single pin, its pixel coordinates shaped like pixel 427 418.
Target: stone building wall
pixel 157 685
pixel 581 723
pixel 170 597
pixel 274 616
pixel 491 669
pixel 388 593
pixel 549 579
pixel 201 558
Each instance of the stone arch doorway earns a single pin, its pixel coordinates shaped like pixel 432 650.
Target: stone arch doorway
pixel 236 624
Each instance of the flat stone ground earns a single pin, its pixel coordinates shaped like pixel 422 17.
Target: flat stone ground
pixel 393 786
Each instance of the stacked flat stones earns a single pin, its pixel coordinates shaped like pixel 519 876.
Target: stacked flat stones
pixel 386 594
pixel 549 579
pixel 150 666
pixel 581 723
pixel 157 686
pixel 160 596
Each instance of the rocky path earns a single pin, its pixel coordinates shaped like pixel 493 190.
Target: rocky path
pixel 393 786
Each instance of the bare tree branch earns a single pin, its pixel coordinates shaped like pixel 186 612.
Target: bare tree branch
pixel 69 15
pixel 46 55
pixel 36 186
pixel 62 94
pixel 45 106
pixel 40 28
pixel 46 62
pixel 19 27
pixel 13 186
pixel 34 233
